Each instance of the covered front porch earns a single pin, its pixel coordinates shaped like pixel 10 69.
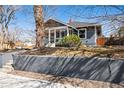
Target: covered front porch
pixel 54 35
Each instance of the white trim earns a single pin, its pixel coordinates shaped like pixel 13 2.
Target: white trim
pixel 60 34
pixel 78 33
pixel 49 36
pixel 95 35
pixel 55 28
pixel 67 31
pixel 54 36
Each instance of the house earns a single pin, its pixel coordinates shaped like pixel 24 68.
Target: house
pixel 118 33
pixel 55 30
pixel 19 44
pixel 121 31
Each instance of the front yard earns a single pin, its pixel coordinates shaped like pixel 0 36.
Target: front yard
pixel 115 52
pixel 39 80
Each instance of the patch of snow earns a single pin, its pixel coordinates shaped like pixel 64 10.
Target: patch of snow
pixel 13 81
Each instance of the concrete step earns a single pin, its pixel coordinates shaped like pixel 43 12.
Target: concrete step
pixel 6 70
pixel 7 66
pixel 8 63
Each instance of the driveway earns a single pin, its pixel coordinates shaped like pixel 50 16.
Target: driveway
pixel 13 81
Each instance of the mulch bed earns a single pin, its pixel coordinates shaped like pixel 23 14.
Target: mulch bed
pixel 116 52
pixel 67 80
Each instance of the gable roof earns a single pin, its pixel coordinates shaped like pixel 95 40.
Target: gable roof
pixel 48 23
pixel 54 23
pixel 74 25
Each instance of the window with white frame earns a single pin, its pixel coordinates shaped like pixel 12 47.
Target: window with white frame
pixel 64 33
pixel 82 33
pixel 57 35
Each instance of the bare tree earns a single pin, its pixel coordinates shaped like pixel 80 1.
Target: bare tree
pixel 7 14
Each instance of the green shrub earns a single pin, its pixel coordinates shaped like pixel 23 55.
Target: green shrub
pixel 70 41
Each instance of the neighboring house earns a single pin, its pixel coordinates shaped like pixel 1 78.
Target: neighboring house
pixel 19 44
pixel 121 31
pixel 118 33
pixel 55 30
pixel 28 45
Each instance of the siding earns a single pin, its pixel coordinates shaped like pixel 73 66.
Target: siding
pixel 90 40
pixel 90 32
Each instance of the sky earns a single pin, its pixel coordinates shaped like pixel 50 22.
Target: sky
pixel 24 18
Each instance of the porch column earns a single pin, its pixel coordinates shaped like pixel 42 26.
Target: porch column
pixel 85 33
pixel 95 36
pixel 78 33
pixel 60 35
pixel 55 36
pixel 49 35
pixel 67 31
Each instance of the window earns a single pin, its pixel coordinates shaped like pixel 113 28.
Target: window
pixel 64 33
pixel 82 33
pixel 75 32
pixel 58 35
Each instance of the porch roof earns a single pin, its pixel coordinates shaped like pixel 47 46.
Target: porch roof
pixel 83 24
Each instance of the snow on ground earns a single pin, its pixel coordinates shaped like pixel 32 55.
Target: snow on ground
pixel 13 81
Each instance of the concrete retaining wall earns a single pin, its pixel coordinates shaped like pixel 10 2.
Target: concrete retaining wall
pixel 1 61
pixel 103 69
pixel 5 57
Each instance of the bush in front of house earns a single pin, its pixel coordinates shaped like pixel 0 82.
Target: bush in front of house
pixel 69 41
pixel 115 41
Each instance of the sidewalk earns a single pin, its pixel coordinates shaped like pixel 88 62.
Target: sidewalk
pixel 13 81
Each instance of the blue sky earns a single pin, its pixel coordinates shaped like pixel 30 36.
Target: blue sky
pixel 25 19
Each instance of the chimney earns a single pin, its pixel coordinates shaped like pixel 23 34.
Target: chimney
pixel 70 20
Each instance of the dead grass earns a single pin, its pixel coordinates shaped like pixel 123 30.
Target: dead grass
pixel 82 51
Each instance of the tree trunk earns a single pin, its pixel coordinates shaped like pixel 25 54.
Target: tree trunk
pixel 38 15
pixel 3 37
